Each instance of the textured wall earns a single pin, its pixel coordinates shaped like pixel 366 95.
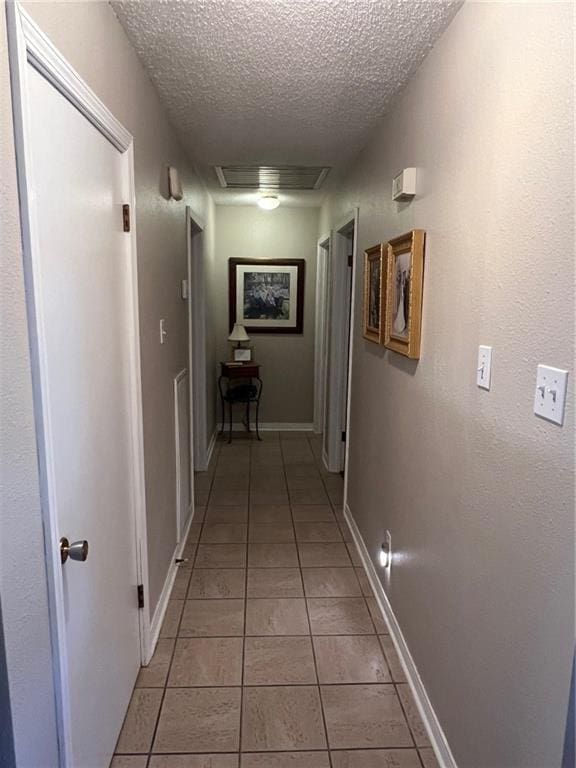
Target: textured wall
pixel 82 31
pixel 22 573
pixel 287 360
pixel 476 491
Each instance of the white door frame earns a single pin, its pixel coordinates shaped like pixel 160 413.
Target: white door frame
pixel 184 374
pixel 320 346
pixel 29 46
pixel 195 228
pixel 339 331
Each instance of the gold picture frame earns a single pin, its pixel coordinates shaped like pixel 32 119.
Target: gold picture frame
pixel 374 286
pixel 404 282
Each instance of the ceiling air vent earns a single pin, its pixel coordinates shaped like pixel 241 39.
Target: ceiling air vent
pixel 271 176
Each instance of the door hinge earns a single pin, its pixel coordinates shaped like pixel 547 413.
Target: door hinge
pixel 350 259
pixel 343 437
pixel 140 595
pixel 126 217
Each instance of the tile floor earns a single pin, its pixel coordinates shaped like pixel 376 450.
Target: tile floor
pixel 273 653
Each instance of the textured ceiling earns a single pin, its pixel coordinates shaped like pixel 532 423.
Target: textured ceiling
pixel 279 81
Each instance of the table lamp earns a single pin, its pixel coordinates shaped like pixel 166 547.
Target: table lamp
pixel 239 335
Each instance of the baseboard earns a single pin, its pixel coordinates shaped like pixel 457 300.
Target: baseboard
pixel 272 426
pixel 211 447
pixel 160 612
pixel 431 723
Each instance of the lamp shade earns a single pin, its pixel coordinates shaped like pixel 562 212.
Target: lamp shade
pixel 238 333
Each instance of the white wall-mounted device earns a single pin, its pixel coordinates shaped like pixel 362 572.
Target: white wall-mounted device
pixel 404 184
pixel 174 184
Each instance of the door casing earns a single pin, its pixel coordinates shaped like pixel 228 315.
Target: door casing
pixel 28 46
pixel 340 335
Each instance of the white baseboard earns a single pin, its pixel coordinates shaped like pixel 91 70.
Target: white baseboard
pixel 271 426
pixel 211 447
pixel 431 723
pixel 160 612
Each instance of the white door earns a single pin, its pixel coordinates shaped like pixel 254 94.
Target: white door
pixel 78 182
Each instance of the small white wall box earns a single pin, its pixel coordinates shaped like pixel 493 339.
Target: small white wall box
pixel 404 184
pixel 174 183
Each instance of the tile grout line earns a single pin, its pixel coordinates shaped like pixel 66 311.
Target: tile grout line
pixel 308 617
pixel 150 753
pixel 248 502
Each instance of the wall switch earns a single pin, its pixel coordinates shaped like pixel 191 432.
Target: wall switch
pixel 484 367
pixel 163 330
pixel 550 394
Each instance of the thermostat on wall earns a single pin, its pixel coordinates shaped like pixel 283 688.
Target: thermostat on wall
pixel 404 184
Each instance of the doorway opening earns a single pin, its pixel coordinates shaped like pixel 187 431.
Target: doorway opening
pixel 320 343
pixel 196 296
pixel 337 335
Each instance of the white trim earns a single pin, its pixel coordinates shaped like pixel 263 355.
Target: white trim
pixel 29 45
pixel 195 228
pixel 270 426
pixel 162 604
pixel 211 447
pixel 177 379
pixel 429 718
pixel 340 325
pixel 320 346
pixel 351 352
pixel 43 56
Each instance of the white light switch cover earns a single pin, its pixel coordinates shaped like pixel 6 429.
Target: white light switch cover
pixel 550 394
pixel 484 367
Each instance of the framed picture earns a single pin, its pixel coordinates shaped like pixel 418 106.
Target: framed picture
pixel 267 295
pixel 374 293
pixel 242 355
pixel 404 293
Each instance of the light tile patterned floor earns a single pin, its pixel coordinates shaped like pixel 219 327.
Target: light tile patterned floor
pixel 273 653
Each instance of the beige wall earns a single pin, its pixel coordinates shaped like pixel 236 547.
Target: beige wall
pixel 82 31
pixel 287 360
pixel 476 491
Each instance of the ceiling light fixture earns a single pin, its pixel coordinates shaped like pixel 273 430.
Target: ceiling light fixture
pixel 268 202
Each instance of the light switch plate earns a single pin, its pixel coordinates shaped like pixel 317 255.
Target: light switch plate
pixel 550 394
pixel 163 330
pixel 484 367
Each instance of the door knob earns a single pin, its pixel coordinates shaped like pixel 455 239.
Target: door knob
pixel 78 550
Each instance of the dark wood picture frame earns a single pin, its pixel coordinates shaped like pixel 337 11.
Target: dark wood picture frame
pixel 262 265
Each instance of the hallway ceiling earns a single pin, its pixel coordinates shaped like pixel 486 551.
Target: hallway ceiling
pixel 280 82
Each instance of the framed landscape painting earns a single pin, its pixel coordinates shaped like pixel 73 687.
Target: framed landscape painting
pixel 267 295
pixel 404 291
pixel 374 287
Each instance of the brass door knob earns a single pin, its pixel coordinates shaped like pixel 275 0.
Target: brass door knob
pixel 78 550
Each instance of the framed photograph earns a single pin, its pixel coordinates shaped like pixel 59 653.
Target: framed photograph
pixel 404 279
pixel 267 295
pixel 242 355
pixel 374 293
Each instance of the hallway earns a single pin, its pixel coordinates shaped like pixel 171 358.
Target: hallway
pixel 355 217
pixel 273 645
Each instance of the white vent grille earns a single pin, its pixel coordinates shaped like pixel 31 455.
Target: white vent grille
pixel 270 177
